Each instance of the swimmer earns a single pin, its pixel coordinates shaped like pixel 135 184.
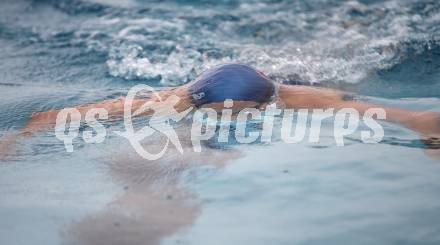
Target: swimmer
pixel 250 88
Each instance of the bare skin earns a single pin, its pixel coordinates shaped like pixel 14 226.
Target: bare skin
pixel 161 211
pixel 295 97
pixel 426 123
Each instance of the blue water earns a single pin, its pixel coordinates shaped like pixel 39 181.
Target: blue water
pixel 57 54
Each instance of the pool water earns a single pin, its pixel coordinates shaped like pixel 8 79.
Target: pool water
pixel 60 53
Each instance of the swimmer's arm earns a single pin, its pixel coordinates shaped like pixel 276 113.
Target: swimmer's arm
pixel 40 121
pixel 426 123
pixel 115 108
pixel 298 97
pixel 46 120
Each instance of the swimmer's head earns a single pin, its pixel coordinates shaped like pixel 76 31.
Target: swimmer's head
pixel 236 82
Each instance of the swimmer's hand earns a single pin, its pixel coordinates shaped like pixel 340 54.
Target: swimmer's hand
pixel 39 121
pixel 428 125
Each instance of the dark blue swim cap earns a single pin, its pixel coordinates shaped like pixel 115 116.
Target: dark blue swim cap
pixel 231 81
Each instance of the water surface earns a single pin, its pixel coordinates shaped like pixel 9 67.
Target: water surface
pixel 57 54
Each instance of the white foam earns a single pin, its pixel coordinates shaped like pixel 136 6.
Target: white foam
pixel 345 42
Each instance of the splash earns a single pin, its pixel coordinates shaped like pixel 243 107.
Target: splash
pixel 341 43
